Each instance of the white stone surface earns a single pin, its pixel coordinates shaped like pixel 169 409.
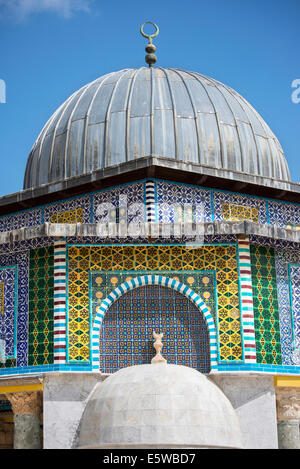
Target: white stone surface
pixel 159 405
pixel 65 397
pixel 253 398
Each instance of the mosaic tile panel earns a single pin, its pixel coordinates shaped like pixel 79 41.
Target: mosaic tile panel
pixel 295 303
pixel 126 333
pixel 220 259
pixel 76 210
pixel 124 202
pixel 275 243
pixel 240 206
pixel 178 203
pixel 232 212
pixel 40 349
pixel 202 283
pixel 265 303
pixel 161 281
pixel 20 220
pixel 21 260
pixel 23 246
pixel 284 215
pixel 285 257
pixel 70 216
pixel 8 279
pixel 2 298
pixel 17 254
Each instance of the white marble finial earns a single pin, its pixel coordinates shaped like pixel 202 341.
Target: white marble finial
pixel 158 345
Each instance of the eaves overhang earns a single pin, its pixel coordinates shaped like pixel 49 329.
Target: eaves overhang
pixel 152 167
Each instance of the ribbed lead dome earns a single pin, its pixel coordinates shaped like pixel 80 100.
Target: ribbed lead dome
pixel 133 113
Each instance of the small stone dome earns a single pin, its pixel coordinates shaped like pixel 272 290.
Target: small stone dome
pixel 159 406
pixel 171 113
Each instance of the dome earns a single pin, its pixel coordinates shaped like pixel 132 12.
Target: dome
pixel 159 405
pixel 133 113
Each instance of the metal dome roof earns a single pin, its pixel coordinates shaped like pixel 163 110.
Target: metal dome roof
pixel 133 113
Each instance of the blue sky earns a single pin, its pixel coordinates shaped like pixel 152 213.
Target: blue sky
pixel 50 48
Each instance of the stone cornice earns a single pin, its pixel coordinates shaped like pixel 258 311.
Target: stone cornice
pixel 153 231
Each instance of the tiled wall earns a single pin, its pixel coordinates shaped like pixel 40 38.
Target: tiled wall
pixel 287 271
pixel 18 317
pixel 8 306
pixel 40 319
pixel 265 303
pixel 126 334
pixel 132 260
pixel 171 202
pixel 26 273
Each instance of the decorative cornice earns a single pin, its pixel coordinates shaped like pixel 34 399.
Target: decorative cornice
pixel 153 230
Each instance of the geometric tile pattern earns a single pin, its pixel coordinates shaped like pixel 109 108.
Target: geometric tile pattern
pixel 140 282
pixel 178 202
pixel 8 278
pixel 202 283
pixel 267 331
pixel 20 220
pixel 284 258
pixel 295 302
pixel 239 213
pixel 229 206
pixel 76 210
pixel 126 332
pixel 284 214
pixel 2 298
pixel 275 243
pixel 40 325
pixel 18 247
pixel 71 216
pixel 247 300
pixel 221 259
pixel 20 259
pixel 107 205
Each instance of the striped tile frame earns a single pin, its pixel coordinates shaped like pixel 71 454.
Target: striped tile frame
pixel 247 312
pixel 153 280
pixel 150 201
pixel 59 327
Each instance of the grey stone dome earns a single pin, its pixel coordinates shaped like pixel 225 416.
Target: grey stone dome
pixel 171 113
pixel 160 406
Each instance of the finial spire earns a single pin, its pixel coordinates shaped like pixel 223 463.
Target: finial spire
pixel 158 345
pixel 150 48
